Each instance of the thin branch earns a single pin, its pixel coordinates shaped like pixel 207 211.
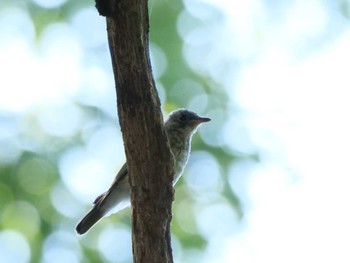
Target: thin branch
pixel 150 162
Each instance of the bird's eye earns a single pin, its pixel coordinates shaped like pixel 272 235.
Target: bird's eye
pixel 182 117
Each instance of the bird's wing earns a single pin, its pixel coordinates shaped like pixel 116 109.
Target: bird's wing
pixel 120 176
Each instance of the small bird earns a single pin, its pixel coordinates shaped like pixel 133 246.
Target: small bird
pixel 179 127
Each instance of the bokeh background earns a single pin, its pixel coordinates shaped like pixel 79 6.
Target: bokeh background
pixel 268 178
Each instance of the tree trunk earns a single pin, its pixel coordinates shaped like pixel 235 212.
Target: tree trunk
pixel 150 162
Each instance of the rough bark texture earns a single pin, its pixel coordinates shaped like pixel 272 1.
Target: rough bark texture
pixel 148 154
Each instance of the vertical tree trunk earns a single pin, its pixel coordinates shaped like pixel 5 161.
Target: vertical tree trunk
pixel 150 162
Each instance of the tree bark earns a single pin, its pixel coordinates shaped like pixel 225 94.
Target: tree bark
pixel 150 162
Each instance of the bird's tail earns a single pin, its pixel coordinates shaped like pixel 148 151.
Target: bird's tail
pixel 92 217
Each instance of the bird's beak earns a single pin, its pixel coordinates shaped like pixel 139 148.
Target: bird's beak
pixel 200 120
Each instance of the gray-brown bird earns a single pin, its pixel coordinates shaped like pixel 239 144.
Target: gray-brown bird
pixel 179 127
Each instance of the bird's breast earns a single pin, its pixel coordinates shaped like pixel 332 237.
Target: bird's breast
pixel 180 150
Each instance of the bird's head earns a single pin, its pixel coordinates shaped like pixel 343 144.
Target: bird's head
pixel 185 120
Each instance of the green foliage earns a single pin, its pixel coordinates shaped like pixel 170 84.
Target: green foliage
pixel 28 183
